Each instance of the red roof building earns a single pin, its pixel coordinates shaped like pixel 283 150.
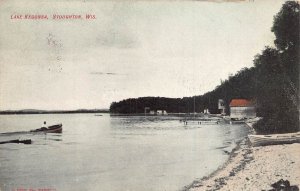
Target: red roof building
pixel 241 103
pixel 241 109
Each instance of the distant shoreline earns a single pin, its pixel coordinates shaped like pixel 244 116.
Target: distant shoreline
pixel 23 112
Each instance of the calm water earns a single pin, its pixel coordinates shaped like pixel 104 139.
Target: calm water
pixel 112 153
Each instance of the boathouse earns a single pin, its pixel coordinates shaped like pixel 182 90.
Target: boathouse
pixel 241 109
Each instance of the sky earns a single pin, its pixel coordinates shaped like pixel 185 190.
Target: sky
pixel 132 49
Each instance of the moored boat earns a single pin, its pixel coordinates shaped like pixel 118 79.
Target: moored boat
pixel 50 129
pixel 274 139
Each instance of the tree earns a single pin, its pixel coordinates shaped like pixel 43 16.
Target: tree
pixel 278 75
pixel 286 26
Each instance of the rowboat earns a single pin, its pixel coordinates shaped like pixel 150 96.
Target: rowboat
pixel 50 129
pixel 274 139
pixel 26 141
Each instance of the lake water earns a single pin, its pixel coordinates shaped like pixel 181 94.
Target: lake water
pixel 112 152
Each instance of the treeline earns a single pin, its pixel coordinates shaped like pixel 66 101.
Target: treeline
pixel 278 75
pixel 241 85
pixel 273 83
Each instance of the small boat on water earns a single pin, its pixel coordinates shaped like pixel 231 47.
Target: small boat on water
pixel 274 139
pixel 26 141
pixel 50 129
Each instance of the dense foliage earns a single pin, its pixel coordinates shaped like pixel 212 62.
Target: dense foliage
pixel 273 83
pixel 278 75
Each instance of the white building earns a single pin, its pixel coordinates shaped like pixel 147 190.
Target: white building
pixel 242 108
pixel 221 106
pixel 161 112
pixel 206 111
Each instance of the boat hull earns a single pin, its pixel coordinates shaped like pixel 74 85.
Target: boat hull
pixel 274 139
pixel 51 129
pixel 26 141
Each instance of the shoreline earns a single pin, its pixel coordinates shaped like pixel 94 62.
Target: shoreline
pixel 244 143
pixel 250 168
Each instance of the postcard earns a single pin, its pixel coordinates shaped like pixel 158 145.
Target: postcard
pixel 148 95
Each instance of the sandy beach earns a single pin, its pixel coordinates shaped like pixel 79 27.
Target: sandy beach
pixel 255 168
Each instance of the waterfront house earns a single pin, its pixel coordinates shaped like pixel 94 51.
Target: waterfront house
pixel 241 109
